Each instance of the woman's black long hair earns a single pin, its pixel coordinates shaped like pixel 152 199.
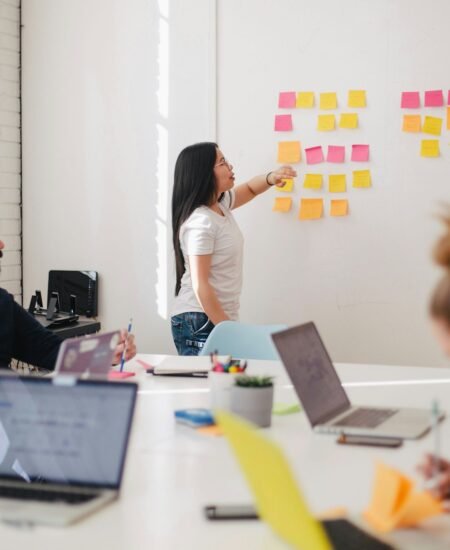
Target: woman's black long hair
pixel 194 186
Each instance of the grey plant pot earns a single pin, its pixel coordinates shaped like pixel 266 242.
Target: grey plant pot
pixel 253 404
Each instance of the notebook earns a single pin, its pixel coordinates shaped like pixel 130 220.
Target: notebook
pixel 183 366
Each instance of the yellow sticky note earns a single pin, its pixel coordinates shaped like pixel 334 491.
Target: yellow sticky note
pixel 278 498
pixel 448 118
pixel 337 183
pixel 311 209
pixel 282 204
pixel 411 123
pixel 430 148
pixel 348 120
pixel 326 123
pixel 313 181
pixel 289 151
pixel 432 125
pixel 287 187
pixel 361 178
pixel 339 207
pixel 305 100
pixel 357 98
pixel 328 100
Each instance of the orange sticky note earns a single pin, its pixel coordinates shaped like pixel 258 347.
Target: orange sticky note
pixel 337 183
pixel 311 209
pixel 289 151
pixel 282 204
pixel 348 120
pixel 312 181
pixel 357 98
pixel 328 100
pixel 339 207
pixel 288 185
pixel 361 178
pixel 418 507
pixel 213 430
pixel 305 100
pixel 411 123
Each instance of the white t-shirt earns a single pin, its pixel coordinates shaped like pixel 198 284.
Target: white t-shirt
pixel 207 232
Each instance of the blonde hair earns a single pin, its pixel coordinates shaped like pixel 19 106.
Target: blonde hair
pixel 440 299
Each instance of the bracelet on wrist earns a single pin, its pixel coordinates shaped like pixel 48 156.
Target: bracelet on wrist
pixel 267 180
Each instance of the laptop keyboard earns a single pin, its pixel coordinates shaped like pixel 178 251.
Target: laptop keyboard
pixel 42 495
pixel 346 536
pixel 365 418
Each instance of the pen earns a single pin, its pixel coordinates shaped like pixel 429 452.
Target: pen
pixel 435 414
pixel 122 360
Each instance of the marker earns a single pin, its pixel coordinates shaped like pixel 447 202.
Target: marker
pixel 435 414
pixel 122 360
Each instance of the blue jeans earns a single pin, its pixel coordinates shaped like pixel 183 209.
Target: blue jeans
pixel 190 331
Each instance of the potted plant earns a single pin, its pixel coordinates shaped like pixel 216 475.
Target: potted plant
pixel 252 398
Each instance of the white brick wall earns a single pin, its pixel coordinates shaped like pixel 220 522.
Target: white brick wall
pixel 10 176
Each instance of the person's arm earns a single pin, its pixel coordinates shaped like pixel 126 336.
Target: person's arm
pixel 200 267
pixel 245 192
pixel 436 473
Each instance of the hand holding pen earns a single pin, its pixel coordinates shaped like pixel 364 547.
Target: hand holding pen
pixel 126 348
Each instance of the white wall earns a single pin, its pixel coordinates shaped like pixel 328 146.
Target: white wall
pixel 112 90
pixel 10 197
pixel 364 279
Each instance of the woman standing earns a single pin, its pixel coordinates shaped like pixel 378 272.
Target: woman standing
pixel 207 241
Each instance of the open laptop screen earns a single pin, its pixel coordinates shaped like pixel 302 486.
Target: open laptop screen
pixel 69 432
pixel 312 373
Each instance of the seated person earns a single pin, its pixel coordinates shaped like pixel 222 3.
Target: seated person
pixel 440 316
pixel 25 339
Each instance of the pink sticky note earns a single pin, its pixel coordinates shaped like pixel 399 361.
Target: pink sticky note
pixel 283 123
pixel 287 100
pixel 117 375
pixel 336 153
pixel 434 98
pixel 410 100
pixel 314 155
pixel 360 153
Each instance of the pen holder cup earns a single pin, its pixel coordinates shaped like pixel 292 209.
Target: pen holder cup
pixel 220 384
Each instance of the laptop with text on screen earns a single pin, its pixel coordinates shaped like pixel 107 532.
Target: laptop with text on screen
pixel 325 401
pixel 63 444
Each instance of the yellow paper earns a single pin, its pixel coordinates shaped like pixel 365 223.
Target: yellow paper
pixel 411 123
pixel 313 181
pixel 448 118
pixel 337 183
pixel 289 151
pixel 432 125
pixel 282 204
pixel 326 123
pixel 348 120
pixel 361 178
pixel 339 208
pixel 305 100
pixel 328 100
pixel 279 500
pixel 357 98
pixel 430 148
pixel 287 187
pixel 311 209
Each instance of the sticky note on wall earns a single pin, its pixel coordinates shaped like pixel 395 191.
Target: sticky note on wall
pixel 429 148
pixel 337 183
pixel 434 98
pixel 448 118
pixel 313 181
pixel 410 100
pixel 360 153
pixel 411 123
pixel 283 123
pixel 305 100
pixel 328 100
pixel 339 207
pixel 287 187
pixel 348 120
pixel 286 100
pixel 326 123
pixel 361 178
pixel 356 98
pixel 311 209
pixel 289 151
pixel 336 153
pixel 314 155
pixel 282 204
pixel 432 125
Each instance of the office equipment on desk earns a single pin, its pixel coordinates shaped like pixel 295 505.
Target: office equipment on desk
pixel 230 511
pixel 194 418
pixel 81 284
pixel 370 441
pixel 325 401
pixel 183 366
pixel 279 500
pixel 63 460
pixel 52 317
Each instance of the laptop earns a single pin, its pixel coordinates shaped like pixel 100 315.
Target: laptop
pixel 325 401
pixel 63 444
pixel 89 356
pixel 279 500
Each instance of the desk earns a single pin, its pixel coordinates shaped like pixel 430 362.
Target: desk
pixel 172 472
pixel 85 325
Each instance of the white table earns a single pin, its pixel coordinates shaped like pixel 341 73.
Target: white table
pixel 172 471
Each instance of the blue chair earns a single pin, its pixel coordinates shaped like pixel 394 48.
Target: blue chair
pixel 242 341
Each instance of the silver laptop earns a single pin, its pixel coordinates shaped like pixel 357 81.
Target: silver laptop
pixel 325 401
pixel 88 356
pixel 62 446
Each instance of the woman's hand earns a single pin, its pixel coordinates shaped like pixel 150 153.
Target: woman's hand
pixel 284 172
pixel 438 470
pixel 126 341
